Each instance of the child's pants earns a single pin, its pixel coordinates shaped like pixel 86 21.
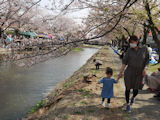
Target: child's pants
pixel 108 100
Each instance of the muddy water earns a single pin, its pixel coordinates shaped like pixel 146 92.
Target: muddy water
pixel 21 88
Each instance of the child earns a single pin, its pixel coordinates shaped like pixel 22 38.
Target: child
pixel 107 90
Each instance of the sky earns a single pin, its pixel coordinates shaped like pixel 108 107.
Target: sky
pixel 74 15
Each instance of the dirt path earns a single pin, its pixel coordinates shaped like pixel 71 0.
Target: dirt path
pixel 78 100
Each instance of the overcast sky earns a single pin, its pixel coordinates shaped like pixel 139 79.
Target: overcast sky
pixel 74 15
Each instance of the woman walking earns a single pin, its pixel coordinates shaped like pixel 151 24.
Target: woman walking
pixel 136 60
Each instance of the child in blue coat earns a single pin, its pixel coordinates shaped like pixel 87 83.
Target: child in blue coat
pixel 107 90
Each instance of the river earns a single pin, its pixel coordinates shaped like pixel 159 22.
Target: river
pixel 22 88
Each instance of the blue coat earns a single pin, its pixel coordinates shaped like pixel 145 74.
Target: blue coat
pixel 107 90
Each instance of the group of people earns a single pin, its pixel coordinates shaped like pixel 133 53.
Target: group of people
pixel 22 42
pixel 134 66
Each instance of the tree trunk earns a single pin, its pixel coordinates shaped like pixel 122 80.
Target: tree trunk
pixel 145 34
pixel 123 40
pixel 152 26
pixel 0 32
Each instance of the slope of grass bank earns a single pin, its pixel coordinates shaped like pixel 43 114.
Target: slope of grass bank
pixel 91 46
pixel 77 49
pixel 74 99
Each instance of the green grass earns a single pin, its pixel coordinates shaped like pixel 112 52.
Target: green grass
pixel 67 117
pixel 153 68
pixel 77 49
pixel 99 55
pixel 38 106
pixel 91 111
pixel 68 84
pixel 94 46
pixel 84 103
pixel 78 112
pixel 85 93
pixel 74 104
pixel 1 58
pixel 94 71
pixel 55 94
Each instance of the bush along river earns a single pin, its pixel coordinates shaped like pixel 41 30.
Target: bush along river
pixel 22 88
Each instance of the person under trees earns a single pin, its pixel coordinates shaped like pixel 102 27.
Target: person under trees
pixel 136 60
pixel 124 49
pixel 153 81
pixel 98 63
pixel 149 49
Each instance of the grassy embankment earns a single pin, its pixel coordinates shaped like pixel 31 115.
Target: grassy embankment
pixel 85 46
pixel 153 68
pixel 77 49
pixel 66 85
pixel 75 99
pixel 91 46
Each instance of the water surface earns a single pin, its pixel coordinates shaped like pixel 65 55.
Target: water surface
pixel 21 88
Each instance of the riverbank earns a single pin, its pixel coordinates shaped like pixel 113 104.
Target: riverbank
pixel 78 98
pixel 23 60
pixel 30 58
pixel 22 88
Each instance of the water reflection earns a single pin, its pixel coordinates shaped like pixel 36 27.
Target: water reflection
pixel 21 88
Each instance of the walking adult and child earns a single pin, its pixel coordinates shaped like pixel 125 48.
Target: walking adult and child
pixel 134 66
